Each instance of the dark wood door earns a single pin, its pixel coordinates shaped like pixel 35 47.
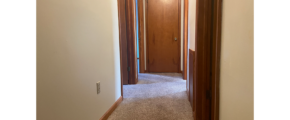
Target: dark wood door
pixel 163 41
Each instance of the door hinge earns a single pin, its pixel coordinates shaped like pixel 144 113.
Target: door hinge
pixel 128 68
pixel 208 94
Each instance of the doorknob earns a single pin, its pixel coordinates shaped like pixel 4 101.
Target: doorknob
pixel 175 39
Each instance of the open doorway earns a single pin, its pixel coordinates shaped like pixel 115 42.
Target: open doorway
pixel 205 71
pixel 151 37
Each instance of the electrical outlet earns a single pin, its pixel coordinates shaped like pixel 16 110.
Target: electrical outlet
pixel 98 87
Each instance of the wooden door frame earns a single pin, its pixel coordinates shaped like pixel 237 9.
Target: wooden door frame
pixel 207 55
pixel 185 40
pixel 121 25
pixel 131 38
pixel 141 36
pixel 179 35
pixel 216 53
pixel 130 25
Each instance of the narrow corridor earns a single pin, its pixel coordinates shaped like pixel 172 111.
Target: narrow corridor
pixel 159 96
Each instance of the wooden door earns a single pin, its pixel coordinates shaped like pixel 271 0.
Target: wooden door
pixel 163 36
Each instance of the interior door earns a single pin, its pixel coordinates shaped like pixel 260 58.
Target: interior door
pixel 163 41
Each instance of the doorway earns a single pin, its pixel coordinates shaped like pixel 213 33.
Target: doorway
pixel 206 56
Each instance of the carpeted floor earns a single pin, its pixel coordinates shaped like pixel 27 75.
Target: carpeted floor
pixel 159 96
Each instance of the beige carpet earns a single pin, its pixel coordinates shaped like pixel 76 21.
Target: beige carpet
pixel 159 96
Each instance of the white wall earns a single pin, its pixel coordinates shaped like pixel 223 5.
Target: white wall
pixel 181 33
pixel 77 45
pixel 236 80
pixel 191 23
pixel 191 30
pixel 181 43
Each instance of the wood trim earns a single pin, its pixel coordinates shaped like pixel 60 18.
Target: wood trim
pixel 146 28
pixel 111 109
pixel 122 36
pixel 141 36
pixel 135 49
pixel 131 37
pixel 179 35
pixel 207 55
pixel 216 52
pixel 185 39
pixel 192 81
pixel 203 66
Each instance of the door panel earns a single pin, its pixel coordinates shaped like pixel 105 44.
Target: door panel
pixel 162 30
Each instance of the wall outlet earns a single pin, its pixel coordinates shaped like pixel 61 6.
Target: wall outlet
pixel 98 87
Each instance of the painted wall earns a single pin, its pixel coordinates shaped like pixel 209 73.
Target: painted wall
pixel 191 30
pixel 181 45
pixel 181 33
pixel 236 80
pixel 191 23
pixel 77 46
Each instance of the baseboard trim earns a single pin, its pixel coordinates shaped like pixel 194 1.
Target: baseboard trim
pixel 112 108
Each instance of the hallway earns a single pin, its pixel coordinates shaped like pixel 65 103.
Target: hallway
pixel 158 96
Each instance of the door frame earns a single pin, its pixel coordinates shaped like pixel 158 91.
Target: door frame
pixel 207 59
pixel 131 40
pixel 130 27
pixel 216 53
pixel 179 36
pixel 141 36
pixel 122 37
pixel 185 40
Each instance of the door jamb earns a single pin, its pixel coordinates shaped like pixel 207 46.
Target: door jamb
pixel 216 53
pixel 208 51
pixel 131 38
pixel 141 36
pixel 185 39
pixel 130 33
